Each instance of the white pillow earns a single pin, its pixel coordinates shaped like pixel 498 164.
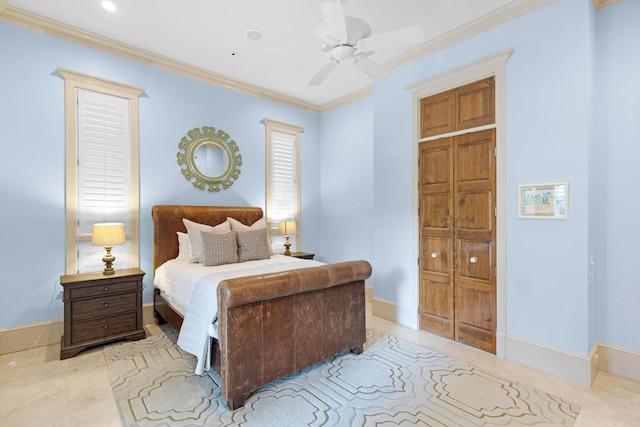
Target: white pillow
pixel 238 226
pixel 194 229
pixel 184 246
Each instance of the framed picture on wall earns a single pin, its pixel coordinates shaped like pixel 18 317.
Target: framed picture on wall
pixel 550 201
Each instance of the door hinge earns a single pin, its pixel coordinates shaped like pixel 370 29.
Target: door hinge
pixel 495 211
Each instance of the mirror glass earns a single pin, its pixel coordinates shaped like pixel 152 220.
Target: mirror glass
pixel 210 159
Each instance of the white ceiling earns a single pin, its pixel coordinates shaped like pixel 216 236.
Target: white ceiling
pixel 210 34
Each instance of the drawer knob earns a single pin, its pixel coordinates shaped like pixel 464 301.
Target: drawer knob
pixel 106 288
pixel 106 305
pixel 105 327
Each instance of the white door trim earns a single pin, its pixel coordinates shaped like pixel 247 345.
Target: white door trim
pixel 495 65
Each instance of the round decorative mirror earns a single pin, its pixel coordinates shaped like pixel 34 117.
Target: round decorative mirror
pixel 210 158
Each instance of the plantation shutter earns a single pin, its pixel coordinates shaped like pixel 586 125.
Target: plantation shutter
pixel 103 173
pixel 104 163
pixel 283 176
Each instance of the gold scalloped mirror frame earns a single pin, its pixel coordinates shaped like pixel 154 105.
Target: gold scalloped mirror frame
pixel 187 155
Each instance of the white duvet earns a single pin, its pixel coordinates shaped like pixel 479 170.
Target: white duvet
pixel 192 290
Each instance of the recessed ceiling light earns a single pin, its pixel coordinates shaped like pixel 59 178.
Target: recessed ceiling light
pixel 108 5
pixel 253 34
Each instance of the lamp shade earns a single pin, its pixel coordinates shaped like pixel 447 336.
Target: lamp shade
pixel 287 227
pixel 108 234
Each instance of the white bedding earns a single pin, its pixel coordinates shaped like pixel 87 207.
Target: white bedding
pixel 192 290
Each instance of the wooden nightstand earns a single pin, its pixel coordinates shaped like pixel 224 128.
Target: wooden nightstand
pixel 302 255
pixel 101 308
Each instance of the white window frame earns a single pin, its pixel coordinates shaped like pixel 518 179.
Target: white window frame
pixel 272 126
pixel 77 243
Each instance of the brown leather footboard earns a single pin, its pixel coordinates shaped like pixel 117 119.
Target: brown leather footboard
pixel 276 324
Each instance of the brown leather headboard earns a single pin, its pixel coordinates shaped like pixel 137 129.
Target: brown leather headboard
pixel 167 220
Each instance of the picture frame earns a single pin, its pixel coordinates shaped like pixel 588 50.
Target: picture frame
pixel 544 201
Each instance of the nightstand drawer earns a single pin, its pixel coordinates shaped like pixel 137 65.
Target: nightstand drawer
pixel 103 327
pixel 101 307
pixel 100 290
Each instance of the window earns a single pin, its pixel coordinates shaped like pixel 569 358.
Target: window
pixel 102 183
pixel 283 180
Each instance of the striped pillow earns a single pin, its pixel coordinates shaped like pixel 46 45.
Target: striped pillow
pixel 218 249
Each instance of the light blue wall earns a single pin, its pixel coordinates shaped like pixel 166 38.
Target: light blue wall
pixel 347 176
pixel 617 174
pixel 32 181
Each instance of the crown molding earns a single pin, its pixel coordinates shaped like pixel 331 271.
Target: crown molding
pixel 601 4
pixel 479 25
pixel 57 29
pixel 347 99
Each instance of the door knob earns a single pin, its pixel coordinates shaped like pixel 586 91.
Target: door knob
pixel 473 259
pixel 434 255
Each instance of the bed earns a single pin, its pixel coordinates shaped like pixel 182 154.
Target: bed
pixel 267 325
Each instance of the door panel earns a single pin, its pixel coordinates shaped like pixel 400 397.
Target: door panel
pixel 475 259
pixel 437 115
pixel 436 255
pixel 437 306
pixel 475 327
pixel 474 211
pixel 475 104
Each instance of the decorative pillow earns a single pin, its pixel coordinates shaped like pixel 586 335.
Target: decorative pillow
pixel 184 246
pixel 258 225
pixel 238 226
pixel 194 229
pixel 253 244
pixel 218 249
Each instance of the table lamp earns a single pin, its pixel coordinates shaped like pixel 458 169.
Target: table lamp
pixel 108 235
pixel 287 228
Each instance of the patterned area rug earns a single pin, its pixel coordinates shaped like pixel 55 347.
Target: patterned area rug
pixel 393 382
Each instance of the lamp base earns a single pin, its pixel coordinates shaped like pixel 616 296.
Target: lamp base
pixel 287 245
pixel 108 261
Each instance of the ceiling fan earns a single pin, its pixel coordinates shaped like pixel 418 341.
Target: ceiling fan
pixel 347 38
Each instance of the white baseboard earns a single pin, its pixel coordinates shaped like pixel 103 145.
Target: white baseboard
pixel 46 333
pixel 368 293
pixel 617 361
pixel 561 363
pixel 394 313
pixel 30 336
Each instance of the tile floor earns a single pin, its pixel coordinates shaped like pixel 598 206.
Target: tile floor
pixel 38 389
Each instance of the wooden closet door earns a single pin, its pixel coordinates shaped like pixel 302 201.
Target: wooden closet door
pixel 457 179
pixel 474 237
pixel 436 261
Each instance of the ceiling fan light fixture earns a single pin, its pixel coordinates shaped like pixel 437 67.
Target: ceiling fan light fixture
pixel 340 53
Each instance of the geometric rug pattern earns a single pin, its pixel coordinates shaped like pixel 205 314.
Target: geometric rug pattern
pixel 392 383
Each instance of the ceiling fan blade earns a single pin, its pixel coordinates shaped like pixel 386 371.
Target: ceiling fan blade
pixel 407 35
pixel 371 68
pixel 323 73
pixel 334 18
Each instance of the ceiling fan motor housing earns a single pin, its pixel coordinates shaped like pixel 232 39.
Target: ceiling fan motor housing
pixel 357 29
